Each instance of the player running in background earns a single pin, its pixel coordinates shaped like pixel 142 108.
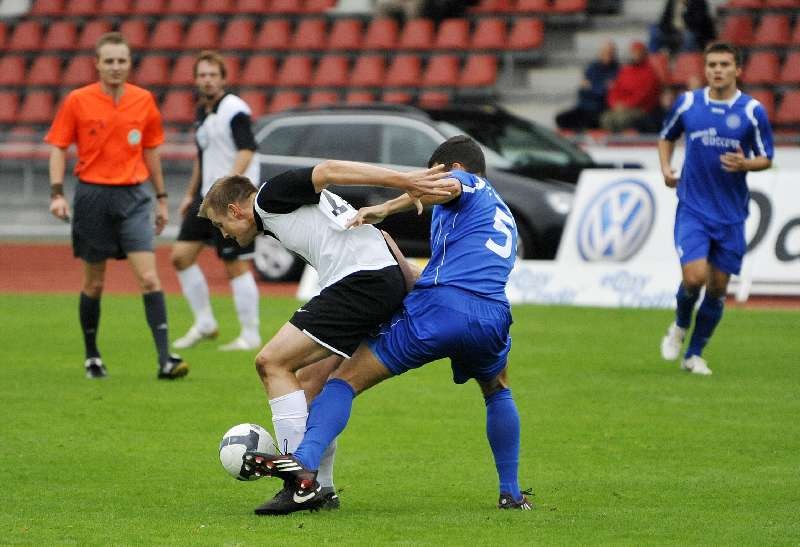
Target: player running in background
pixel 117 129
pixel 473 248
pixel 361 281
pixel 225 146
pixel 727 135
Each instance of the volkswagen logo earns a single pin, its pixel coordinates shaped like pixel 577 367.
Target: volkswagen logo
pixel 617 222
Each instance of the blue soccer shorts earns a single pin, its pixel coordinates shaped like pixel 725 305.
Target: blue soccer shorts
pixel 446 322
pixel 723 245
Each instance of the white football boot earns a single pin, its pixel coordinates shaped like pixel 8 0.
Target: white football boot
pixel 696 365
pixel 242 344
pixel 671 344
pixel 193 337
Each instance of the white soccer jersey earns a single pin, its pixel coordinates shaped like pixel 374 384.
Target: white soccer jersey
pixel 219 135
pixel 312 225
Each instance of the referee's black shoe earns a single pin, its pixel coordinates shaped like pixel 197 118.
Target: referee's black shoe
pixel 95 368
pixel 173 368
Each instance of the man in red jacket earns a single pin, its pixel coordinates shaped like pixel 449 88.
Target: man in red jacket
pixel 634 94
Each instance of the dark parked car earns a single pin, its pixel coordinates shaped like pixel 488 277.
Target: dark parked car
pixel 403 138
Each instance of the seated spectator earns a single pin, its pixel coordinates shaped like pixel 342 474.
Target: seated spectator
pixel 653 122
pixel 633 94
pixel 685 25
pixel 592 92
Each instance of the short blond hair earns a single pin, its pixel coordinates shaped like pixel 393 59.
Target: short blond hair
pixel 226 190
pixel 116 38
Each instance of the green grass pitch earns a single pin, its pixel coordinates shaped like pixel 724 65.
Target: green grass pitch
pixel 619 447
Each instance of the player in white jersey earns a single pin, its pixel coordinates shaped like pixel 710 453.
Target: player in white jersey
pixel 727 135
pixel 361 281
pixel 225 146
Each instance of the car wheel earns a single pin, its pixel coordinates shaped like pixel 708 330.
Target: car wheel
pixel 274 263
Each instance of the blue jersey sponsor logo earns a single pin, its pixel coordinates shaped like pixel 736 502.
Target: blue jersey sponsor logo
pixel 617 222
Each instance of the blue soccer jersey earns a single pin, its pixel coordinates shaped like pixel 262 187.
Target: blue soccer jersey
pixel 713 128
pixel 473 241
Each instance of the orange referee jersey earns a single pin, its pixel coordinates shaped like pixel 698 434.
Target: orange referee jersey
pixel 110 137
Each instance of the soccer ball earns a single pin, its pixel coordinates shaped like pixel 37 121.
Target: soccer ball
pixel 236 441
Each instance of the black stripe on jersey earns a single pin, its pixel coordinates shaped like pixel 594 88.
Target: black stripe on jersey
pixel 288 191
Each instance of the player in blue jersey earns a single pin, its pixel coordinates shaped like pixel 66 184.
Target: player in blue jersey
pixel 727 134
pixel 473 247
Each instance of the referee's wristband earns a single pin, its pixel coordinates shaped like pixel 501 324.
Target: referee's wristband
pixel 161 195
pixel 56 190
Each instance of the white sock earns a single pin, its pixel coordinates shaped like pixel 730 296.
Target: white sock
pixel 289 413
pixel 325 472
pixel 195 289
pixel 245 298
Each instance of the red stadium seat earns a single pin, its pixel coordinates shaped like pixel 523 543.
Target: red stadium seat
pixel 37 108
pixel 3 35
pixel 61 35
pixel 9 103
pixel 45 70
pixel 12 70
pixel 80 71
pixel 81 8
pixel 332 71
pixel 745 4
pixel 182 73
pixel 417 34
pixel 766 98
pixel 289 7
pixel 369 71
pixel 569 6
pixel 397 97
pixel 178 107
pixel 27 36
pixel 434 99
pixel 318 6
pixel 382 33
pixel 790 73
pixel 183 7
pixel 789 110
pixel 167 34
pixel 149 7
pixel 238 34
pixel 442 71
pixel 93 30
pixel 115 7
pixel 259 70
pixel 135 32
pixel 453 34
pixel 490 33
pixel 479 71
pixel 202 34
pixel 345 34
pixel 762 67
pixel 252 6
pixel 310 34
pixel 782 3
pixel 774 30
pixel 660 63
pixel 222 7
pixel 738 30
pixel 232 69
pixel 48 8
pixel 359 97
pixel 795 39
pixel 284 100
pixel 322 98
pixel 152 70
pixel 405 70
pixel 533 6
pixel 296 71
pixel 526 34
pixel 686 65
pixel 274 35
pixel 256 100
pixel 493 6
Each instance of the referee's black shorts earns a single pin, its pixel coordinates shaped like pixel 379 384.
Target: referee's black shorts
pixel 344 313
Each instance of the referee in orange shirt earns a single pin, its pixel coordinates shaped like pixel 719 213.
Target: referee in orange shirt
pixel 117 129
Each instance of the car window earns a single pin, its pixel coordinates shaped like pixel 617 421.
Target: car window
pixel 355 142
pixel 403 145
pixel 283 141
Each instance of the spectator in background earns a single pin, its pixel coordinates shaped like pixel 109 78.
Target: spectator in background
pixel 654 120
pixel 592 92
pixel 685 25
pixel 634 93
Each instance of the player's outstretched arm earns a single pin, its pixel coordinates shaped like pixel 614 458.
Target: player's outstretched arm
pixel 415 183
pixel 375 214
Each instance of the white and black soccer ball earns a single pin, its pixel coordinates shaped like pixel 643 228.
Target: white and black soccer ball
pixel 239 439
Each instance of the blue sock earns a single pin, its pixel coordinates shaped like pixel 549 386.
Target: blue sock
pixel 327 417
pixel 686 298
pixel 708 317
pixel 502 430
